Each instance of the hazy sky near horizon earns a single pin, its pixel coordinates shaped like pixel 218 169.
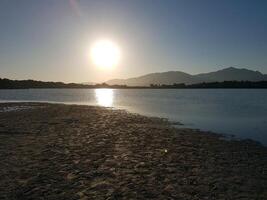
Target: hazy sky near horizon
pixel 51 39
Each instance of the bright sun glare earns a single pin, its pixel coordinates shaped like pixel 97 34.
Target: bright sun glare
pixel 105 54
pixel 104 97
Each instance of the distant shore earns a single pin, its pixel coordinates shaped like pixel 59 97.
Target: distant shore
pixel 56 151
pixel 33 84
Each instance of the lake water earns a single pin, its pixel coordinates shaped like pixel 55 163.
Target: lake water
pixel 241 112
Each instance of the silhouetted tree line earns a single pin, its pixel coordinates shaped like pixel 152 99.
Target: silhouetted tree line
pixel 224 84
pixel 27 84
pixel 24 84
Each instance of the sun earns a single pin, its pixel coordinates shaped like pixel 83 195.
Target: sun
pixel 105 54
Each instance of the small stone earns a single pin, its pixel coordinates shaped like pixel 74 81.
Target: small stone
pixel 71 176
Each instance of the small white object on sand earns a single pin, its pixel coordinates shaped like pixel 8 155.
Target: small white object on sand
pixel 14 108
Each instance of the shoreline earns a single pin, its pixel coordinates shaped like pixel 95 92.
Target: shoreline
pixel 136 88
pixel 59 151
pixel 176 124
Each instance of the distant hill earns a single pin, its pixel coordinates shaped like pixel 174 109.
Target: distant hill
pixel 232 74
pixel 167 78
pixel 171 77
pixel 226 78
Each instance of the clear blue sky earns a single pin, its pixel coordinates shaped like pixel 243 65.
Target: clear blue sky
pixel 50 39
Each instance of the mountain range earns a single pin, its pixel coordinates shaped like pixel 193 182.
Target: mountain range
pixel 171 77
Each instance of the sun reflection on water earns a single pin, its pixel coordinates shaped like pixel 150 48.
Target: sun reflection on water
pixel 104 97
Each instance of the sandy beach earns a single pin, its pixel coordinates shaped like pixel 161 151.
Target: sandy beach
pixel 55 151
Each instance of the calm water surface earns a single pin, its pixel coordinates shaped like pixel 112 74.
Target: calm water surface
pixel 242 112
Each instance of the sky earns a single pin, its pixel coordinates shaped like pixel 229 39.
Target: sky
pixel 50 40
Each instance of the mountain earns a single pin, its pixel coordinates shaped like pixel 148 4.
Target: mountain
pixel 232 74
pixel 156 78
pixel 171 77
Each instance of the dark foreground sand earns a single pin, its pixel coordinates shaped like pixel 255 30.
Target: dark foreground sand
pixel 81 152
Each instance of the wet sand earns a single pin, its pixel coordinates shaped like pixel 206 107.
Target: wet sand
pixel 54 151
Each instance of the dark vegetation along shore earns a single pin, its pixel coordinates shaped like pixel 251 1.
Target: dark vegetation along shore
pixel 31 84
pixel 53 151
